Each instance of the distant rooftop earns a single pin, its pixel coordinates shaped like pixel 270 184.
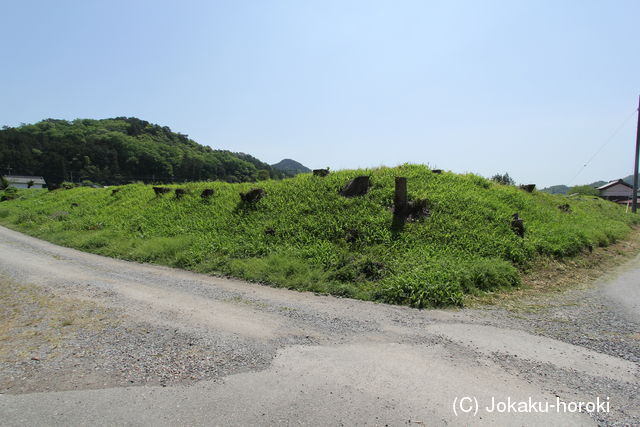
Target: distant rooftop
pixel 24 179
pixel 612 183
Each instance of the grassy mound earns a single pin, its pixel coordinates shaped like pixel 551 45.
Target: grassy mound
pixel 304 235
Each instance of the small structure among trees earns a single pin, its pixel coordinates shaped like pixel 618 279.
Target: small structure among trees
pixel 19 181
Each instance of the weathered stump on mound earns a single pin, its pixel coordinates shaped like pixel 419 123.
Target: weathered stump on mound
pixel 252 196
pixel 161 190
pixel 400 199
pixel 321 172
pixel 436 171
pixel 180 193
pixel 418 209
pixel 358 186
pixel 517 225
pixel 565 208
pixel 528 187
pixel 405 210
pixel 207 192
pixel 115 191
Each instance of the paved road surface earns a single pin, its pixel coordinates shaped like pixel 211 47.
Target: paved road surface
pixel 272 356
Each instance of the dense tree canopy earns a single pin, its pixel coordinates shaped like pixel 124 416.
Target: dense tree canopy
pixel 119 150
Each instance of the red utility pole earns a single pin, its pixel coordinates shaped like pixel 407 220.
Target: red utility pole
pixel 634 198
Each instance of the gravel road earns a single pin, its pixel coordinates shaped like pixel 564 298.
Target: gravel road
pixel 93 340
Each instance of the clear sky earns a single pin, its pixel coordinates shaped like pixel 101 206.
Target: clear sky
pixel 533 88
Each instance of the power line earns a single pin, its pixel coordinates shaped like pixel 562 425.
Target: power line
pixel 607 141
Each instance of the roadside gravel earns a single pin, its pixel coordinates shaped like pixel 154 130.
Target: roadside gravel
pixel 85 335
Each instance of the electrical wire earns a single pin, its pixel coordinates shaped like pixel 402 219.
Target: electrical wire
pixel 607 141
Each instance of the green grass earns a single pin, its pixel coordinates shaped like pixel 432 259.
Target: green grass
pixel 304 235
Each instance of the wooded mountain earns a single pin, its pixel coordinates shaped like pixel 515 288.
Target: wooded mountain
pixel 290 167
pixel 120 150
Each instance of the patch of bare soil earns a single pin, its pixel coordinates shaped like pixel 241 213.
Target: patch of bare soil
pixel 49 342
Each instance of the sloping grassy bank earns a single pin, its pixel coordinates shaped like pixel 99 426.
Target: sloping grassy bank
pixel 304 235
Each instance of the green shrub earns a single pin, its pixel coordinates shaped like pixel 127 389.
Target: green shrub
pixel 10 193
pixel 419 291
pixel 487 274
pixel 26 217
pixel 93 242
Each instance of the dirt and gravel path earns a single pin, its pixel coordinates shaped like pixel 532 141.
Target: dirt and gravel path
pixel 91 340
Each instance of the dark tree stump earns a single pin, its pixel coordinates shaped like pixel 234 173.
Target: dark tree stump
pixel 321 172
pixel 207 192
pixel 400 200
pixel 180 193
pixel 161 190
pixel 565 208
pixel 359 186
pixel 517 225
pixel 115 191
pixel 528 187
pixel 436 171
pixel 405 210
pixel 418 209
pixel 252 196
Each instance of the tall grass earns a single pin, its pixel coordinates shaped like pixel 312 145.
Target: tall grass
pixel 304 235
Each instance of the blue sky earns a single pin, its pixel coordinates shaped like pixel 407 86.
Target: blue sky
pixel 533 88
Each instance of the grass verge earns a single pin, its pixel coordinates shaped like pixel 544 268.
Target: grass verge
pixel 304 235
pixel 547 276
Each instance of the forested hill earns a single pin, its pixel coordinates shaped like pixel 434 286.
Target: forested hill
pixel 291 167
pixel 119 150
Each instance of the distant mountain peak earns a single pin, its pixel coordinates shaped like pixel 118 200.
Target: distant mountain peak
pixel 291 167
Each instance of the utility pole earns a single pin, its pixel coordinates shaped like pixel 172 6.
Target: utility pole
pixel 634 198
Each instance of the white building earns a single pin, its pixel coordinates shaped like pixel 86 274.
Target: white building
pixel 19 181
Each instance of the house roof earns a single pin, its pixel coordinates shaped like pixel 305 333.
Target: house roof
pixel 22 179
pixel 612 183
